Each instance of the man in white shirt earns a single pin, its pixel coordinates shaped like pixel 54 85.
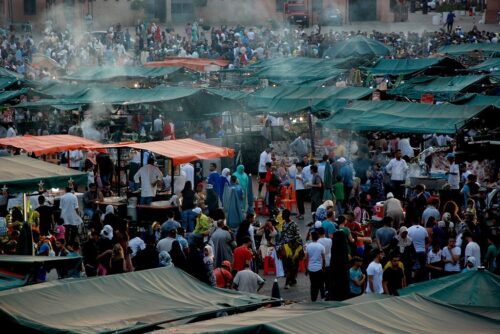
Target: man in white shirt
pixel 315 264
pixel 150 177
pixel 397 167
pixel 247 281
pixel 11 131
pixel 189 170
pixel 375 274
pixel 453 172
pixel 327 243
pixel 265 157
pixel 419 236
pixel 472 249
pixel 451 257
pixel 158 124
pixel 70 214
pixel 75 159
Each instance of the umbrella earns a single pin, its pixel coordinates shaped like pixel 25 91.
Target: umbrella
pixel 358 46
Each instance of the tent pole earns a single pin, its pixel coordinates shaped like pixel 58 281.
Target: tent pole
pixel 311 132
pixel 119 168
pixel 25 207
pixel 172 174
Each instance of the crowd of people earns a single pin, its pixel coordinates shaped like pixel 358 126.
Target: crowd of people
pixel 238 44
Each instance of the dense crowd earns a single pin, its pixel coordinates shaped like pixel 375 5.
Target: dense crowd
pixel 238 44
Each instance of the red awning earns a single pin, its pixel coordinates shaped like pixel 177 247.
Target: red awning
pixel 195 64
pixel 184 150
pixel 39 145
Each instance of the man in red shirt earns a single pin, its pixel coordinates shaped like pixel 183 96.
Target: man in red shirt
pixel 272 182
pixel 242 255
pixel 223 276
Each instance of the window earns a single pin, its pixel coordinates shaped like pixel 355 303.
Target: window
pixel 29 7
pixel 317 5
pixel 280 5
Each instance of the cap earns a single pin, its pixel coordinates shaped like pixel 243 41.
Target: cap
pixel 390 195
pixel 342 160
pixel 197 210
pixel 226 264
pixel 450 156
pixel 317 224
pixel 471 259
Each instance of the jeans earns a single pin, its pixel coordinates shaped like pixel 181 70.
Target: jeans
pixel 133 186
pixel 271 200
pixel 188 220
pixel 317 284
pixel 71 233
pixel 146 200
pixel 300 196
pixel 397 189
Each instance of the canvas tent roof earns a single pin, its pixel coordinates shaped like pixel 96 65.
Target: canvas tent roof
pixel 290 99
pixel 39 145
pixel 409 314
pixel 443 88
pixel 358 46
pixel 6 82
pixel 123 303
pixel 490 65
pixel 23 174
pixel 184 150
pixel 297 71
pixel 459 49
pixel 194 64
pixel 113 95
pixel 11 94
pixel 114 72
pixel 478 100
pixel 476 288
pixel 409 66
pixel 401 117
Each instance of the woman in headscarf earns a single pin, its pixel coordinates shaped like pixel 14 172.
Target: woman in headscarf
pixel 291 249
pixel 244 183
pixel 407 251
pixel 165 259
pixel 223 180
pixel 338 286
pixel 208 260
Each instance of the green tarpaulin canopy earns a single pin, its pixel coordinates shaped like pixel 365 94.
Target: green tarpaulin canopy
pixel 121 96
pixel 401 117
pixel 475 288
pixel 458 49
pixel 442 88
pixel 489 65
pixel 6 82
pixel 297 71
pixel 123 302
pixel 290 99
pixel 114 72
pixel 358 46
pixel 410 314
pixel 478 100
pixel 409 66
pixel 23 174
pixel 11 94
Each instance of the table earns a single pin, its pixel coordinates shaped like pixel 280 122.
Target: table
pixel 156 211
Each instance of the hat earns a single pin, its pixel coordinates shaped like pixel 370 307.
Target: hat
pixel 471 259
pixel 226 264
pixel 107 232
pixel 341 160
pixel 450 156
pixel 170 225
pixel 197 210
pixel 317 224
pixel 390 195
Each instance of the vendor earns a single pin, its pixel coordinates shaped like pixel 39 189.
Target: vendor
pixel 150 177
pixel 90 198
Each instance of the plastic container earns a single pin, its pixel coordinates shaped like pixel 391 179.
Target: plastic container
pixel 132 212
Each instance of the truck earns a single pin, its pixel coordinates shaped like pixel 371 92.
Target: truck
pixel 297 12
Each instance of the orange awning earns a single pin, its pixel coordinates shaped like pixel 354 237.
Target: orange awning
pixel 195 64
pixel 184 150
pixel 39 145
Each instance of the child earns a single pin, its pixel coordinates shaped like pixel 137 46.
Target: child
pixel 471 208
pixel 60 230
pixel 339 195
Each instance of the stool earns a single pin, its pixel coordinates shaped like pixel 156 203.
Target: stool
pixel 269 266
pixel 260 207
pixel 302 266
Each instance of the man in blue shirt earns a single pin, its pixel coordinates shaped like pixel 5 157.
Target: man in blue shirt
pixel 347 177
